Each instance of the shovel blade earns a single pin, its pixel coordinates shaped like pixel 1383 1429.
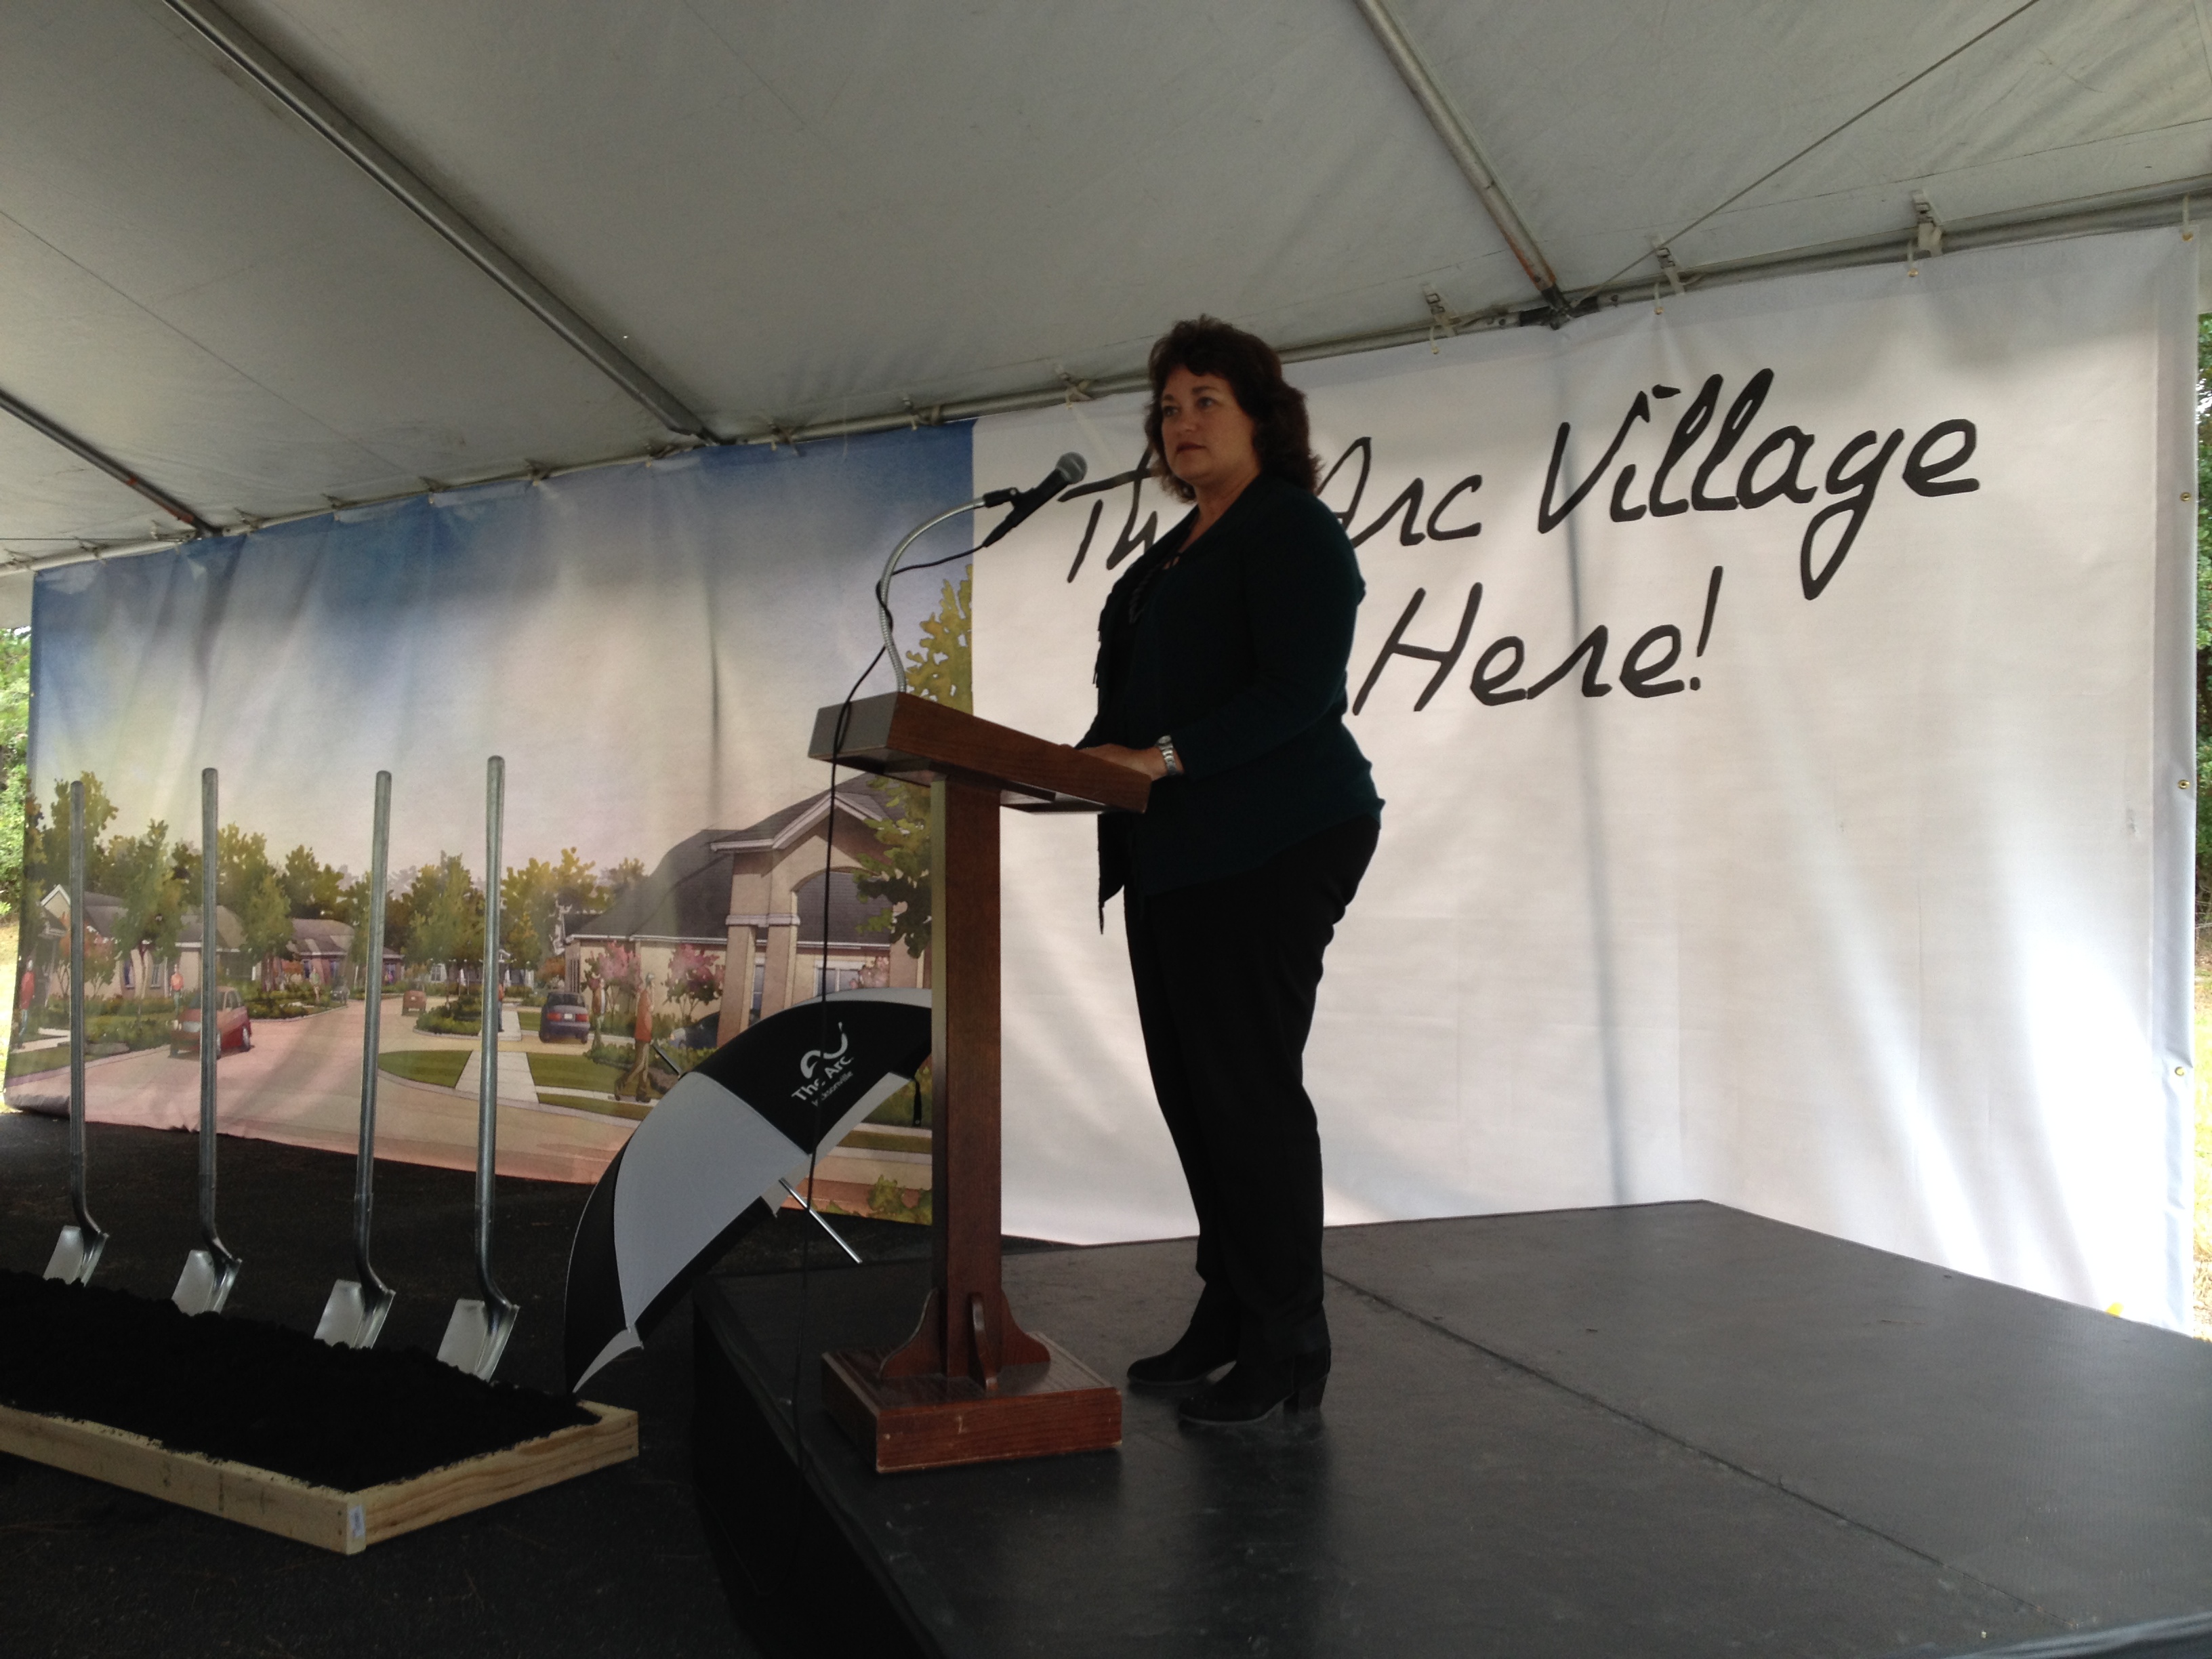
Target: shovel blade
pixel 353 1317
pixel 74 1257
pixel 475 1336
pixel 204 1284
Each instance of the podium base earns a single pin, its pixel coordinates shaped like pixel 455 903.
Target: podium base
pixel 936 1422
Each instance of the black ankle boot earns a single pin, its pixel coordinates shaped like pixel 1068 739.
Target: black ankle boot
pixel 1204 1348
pixel 1256 1387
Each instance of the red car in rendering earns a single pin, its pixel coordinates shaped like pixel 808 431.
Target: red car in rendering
pixel 564 1015
pixel 234 1026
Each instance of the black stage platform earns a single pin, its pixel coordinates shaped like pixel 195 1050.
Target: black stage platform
pixel 1670 1429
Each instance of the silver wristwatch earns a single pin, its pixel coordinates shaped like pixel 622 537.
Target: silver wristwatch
pixel 1166 746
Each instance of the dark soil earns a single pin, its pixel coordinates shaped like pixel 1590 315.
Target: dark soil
pixel 611 1565
pixel 251 1392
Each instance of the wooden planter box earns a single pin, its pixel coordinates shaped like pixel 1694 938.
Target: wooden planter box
pixel 346 1522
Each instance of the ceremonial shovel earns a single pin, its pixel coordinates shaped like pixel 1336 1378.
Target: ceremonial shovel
pixel 211 1270
pixel 477 1334
pixel 76 1252
pixel 355 1314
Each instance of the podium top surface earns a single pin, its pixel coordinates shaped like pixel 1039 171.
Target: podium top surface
pixel 917 741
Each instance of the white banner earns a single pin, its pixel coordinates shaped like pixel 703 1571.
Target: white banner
pixel 1787 745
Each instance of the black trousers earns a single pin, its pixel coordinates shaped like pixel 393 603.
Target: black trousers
pixel 1226 972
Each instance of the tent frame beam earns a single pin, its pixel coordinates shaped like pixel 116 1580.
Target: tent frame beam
pixel 1467 154
pixel 352 141
pixel 107 463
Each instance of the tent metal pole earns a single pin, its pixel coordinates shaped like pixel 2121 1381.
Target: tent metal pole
pixel 114 469
pixel 351 141
pixel 1465 151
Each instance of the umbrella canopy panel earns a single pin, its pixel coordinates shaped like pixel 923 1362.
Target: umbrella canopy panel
pixel 793 214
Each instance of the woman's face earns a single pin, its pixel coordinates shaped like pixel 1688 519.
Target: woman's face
pixel 1207 436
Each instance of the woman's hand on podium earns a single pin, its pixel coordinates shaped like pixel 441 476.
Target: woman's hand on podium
pixel 1148 760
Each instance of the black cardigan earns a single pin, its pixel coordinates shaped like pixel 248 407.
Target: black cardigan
pixel 1238 655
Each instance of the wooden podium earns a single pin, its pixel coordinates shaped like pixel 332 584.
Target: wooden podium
pixel 970 1386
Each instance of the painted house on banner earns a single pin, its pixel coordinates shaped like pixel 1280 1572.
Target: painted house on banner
pixel 755 896
pixel 102 911
pixel 319 947
pixel 129 973
pixel 230 941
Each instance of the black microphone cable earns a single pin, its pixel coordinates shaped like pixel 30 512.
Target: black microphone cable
pixel 814 1108
pixel 822 986
pixel 932 564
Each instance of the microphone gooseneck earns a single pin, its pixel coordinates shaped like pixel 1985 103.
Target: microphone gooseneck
pixel 1068 470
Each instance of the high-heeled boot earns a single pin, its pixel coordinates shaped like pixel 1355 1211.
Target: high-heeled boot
pixel 1207 1344
pixel 1257 1387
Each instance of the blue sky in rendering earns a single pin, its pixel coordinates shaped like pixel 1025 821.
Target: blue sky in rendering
pixel 645 644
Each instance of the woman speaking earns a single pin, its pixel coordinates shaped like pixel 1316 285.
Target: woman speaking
pixel 1221 675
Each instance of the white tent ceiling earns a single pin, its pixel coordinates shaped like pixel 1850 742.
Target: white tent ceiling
pixel 791 216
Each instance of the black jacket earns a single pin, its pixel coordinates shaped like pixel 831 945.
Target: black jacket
pixel 1238 655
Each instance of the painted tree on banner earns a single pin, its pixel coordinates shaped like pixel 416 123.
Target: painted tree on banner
pixel 15 755
pixel 695 982
pixel 153 900
pixel 46 840
pixel 444 915
pixel 535 897
pixel 940 669
pixel 314 889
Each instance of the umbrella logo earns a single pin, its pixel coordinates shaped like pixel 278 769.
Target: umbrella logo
pixel 835 1065
pixel 806 1061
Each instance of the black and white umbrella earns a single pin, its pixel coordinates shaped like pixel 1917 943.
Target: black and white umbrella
pixel 710 1158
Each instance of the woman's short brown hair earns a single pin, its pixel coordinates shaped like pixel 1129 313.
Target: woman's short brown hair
pixel 1206 345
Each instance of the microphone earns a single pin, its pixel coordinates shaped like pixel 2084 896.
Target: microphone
pixel 1068 471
